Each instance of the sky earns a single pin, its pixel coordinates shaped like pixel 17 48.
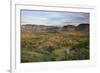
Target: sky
pixel 53 18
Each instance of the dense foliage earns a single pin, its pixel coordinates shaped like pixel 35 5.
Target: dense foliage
pixel 57 46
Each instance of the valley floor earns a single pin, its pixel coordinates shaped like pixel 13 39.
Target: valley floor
pixel 55 46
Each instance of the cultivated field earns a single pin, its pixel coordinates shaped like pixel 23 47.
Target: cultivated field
pixel 54 46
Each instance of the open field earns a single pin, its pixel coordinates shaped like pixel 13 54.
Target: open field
pixel 54 46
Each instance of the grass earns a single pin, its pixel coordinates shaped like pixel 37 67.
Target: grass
pixel 58 46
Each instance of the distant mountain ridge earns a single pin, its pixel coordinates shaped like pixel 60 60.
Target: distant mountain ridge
pixel 43 28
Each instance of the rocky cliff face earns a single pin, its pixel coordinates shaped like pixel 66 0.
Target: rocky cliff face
pixel 43 28
pixel 83 27
pixel 69 28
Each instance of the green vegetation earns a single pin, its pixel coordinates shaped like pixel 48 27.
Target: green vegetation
pixel 58 46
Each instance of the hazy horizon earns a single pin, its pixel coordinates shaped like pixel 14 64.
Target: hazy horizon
pixel 53 18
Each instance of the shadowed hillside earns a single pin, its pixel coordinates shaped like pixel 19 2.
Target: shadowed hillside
pixel 42 28
pixel 83 27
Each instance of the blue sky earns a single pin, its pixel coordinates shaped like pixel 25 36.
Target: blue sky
pixel 53 18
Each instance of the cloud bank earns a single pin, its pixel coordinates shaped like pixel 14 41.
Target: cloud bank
pixel 53 18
